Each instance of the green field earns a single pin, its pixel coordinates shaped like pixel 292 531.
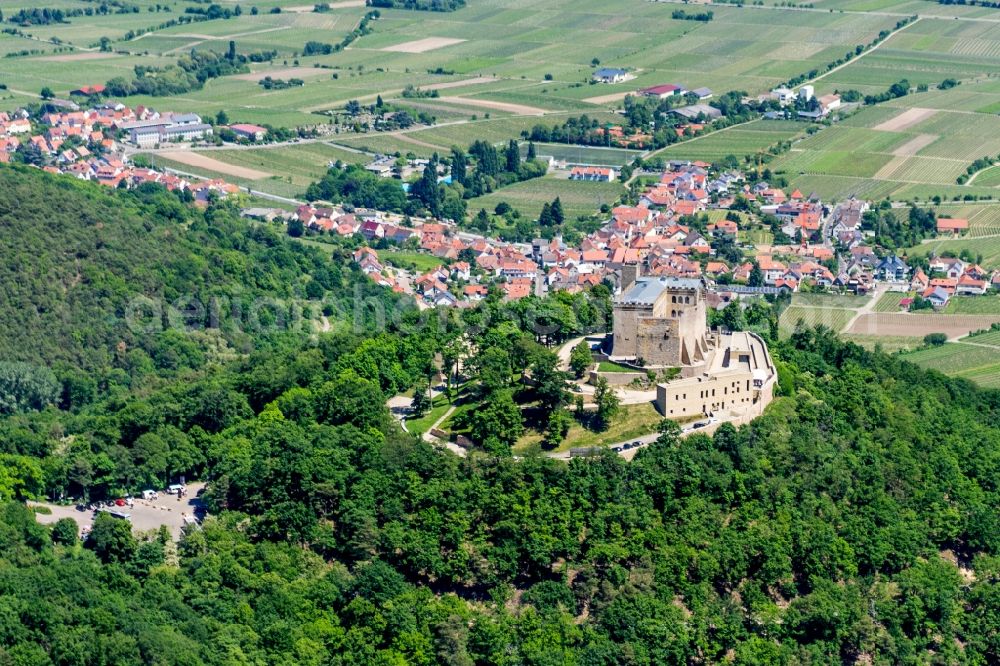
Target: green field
pixel 738 141
pixel 585 154
pixel 540 53
pixel 821 300
pixel 987 250
pixel 420 425
pixel 632 421
pixel 980 364
pixel 889 302
pixel 986 304
pixel 910 148
pixel 610 366
pixel 833 318
pixel 417 260
pixel 284 186
pixel 888 343
pixel 578 197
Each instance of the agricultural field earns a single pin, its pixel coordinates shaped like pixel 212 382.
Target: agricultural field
pixel 537 55
pixel 926 51
pixel 833 318
pixel 978 362
pixel 284 186
pixel 889 301
pixel 821 300
pixel 886 343
pixel 919 325
pixel 578 197
pixel 985 305
pixel 983 217
pixel 986 250
pixel 584 154
pixel 305 163
pixel 738 141
pixel 914 147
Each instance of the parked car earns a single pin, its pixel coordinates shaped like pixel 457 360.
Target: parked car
pixel 175 489
pixel 150 495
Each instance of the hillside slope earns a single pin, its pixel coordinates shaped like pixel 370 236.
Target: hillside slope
pixel 76 260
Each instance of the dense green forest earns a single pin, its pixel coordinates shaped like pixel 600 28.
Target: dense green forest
pixel 85 272
pixel 855 522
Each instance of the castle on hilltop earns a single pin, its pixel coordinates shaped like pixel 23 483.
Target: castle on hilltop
pixel 661 322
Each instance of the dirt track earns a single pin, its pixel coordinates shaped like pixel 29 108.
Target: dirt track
pixel 284 73
pixel 194 159
pixel 517 109
pixel 914 145
pixel 423 45
pixel 604 99
pixel 906 120
pixel 459 84
pixel 74 57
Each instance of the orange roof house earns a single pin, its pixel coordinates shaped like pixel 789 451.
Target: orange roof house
pixel 952 225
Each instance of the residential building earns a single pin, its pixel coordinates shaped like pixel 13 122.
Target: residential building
pixel 610 75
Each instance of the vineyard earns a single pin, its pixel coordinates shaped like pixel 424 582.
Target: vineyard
pixel 980 364
pixel 986 248
pixel 833 318
pixel 738 141
pixel 820 300
pixel 985 305
pixel 919 325
pixel 889 302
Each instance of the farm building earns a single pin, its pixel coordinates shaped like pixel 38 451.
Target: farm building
pixel 703 93
pixel 693 111
pixel 829 102
pixel 86 91
pixel 952 225
pixel 251 132
pixel 664 91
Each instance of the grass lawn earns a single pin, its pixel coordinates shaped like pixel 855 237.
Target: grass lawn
pixel 421 425
pixel 632 421
pixel 757 236
pixel 610 366
pixel 888 343
pixel 417 260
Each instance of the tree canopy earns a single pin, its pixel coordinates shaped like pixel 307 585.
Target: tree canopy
pixel 855 521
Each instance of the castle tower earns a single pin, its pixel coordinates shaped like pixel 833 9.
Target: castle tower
pixel 662 321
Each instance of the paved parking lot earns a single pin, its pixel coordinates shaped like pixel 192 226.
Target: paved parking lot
pixel 146 515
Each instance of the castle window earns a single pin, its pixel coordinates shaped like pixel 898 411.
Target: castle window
pixel 687 299
pixel 673 299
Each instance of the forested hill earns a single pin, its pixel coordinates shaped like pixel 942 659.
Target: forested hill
pixel 74 256
pixel 857 521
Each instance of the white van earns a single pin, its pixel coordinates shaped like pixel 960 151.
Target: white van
pixel 174 489
pixel 150 495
